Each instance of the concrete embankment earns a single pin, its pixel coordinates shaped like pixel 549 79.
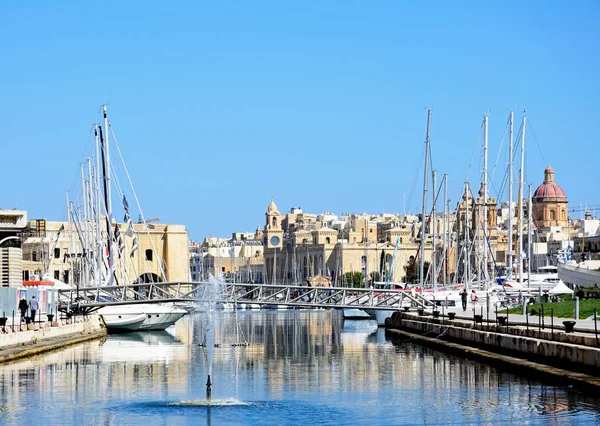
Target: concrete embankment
pixel 21 344
pixel 558 361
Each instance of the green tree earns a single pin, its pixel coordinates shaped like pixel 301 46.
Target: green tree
pixel 412 271
pixel 355 279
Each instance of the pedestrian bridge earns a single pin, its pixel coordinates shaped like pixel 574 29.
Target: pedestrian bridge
pixel 84 300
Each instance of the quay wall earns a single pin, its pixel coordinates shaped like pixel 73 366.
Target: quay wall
pixel 32 342
pixel 577 357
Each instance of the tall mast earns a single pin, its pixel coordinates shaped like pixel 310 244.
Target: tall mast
pixel 107 196
pixel 89 229
pixel 424 207
pixel 466 235
pixel 485 194
pixel 529 232
pixel 434 238
pixel 445 238
pixel 85 241
pixel 521 185
pixel 97 270
pixel 510 196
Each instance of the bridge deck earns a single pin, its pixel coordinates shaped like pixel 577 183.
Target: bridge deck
pixel 90 298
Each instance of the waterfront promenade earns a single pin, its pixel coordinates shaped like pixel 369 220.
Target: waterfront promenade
pixel 517 342
pixel 22 340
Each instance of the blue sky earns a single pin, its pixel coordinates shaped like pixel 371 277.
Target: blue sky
pixel 219 106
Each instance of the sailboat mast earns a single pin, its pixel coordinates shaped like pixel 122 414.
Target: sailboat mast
pixel 510 197
pixel 485 195
pixel 97 270
pixel 445 238
pixel 85 241
pixel 529 232
pixel 89 229
pixel 521 185
pixel 107 196
pixel 434 238
pixel 424 206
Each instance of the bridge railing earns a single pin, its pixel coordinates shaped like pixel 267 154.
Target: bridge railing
pixel 262 294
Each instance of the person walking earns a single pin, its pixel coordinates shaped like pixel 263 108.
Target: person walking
pixel 473 297
pixel 463 298
pixel 23 306
pixel 33 307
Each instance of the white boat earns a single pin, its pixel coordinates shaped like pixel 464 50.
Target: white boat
pixel 583 274
pixel 122 323
pixel 156 316
pixel 355 313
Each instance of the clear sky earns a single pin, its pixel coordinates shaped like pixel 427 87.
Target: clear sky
pixel 219 106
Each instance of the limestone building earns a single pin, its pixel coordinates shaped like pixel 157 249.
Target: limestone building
pixel 54 250
pixel 299 246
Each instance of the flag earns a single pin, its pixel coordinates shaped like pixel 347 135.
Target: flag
pixel 127 218
pixel 119 240
pixel 125 205
pixel 134 246
pixel 62 228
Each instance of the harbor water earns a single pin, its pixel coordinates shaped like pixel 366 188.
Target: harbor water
pixel 274 367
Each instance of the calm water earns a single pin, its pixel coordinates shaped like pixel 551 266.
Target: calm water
pixel 300 368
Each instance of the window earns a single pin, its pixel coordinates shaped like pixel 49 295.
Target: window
pixel 57 275
pixel 25 275
pixel 552 215
pixel 363 259
pixel 34 256
pixel 66 277
pixel 223 269
pixel 327 240
pixel 274 221
pixel 57 253
pixel 149 255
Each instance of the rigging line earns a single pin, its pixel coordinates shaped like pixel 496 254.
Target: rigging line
pixel 499 151
pixel 536 141
pixel 162 270
pixel 474 151
pixel 414 183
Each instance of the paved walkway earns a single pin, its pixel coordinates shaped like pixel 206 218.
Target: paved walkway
pixel 584 325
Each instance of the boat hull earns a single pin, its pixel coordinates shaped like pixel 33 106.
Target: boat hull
pixel 116 323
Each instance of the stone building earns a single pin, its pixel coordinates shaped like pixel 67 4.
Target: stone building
pixel 54 250
pixel 12 224
pixel 550 204
pixel 299 246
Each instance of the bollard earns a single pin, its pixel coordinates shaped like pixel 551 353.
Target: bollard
pixel 576 308
pixel 526 319
pixel 524 305
pixel 596 325
pixel 543 324
pixel 552 322
pixel 507 319
pixel 496 315
pixel 13 323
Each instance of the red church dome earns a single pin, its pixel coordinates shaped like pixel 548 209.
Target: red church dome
pixel 549 190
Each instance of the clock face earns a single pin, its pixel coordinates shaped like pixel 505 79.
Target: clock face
pixel 274 241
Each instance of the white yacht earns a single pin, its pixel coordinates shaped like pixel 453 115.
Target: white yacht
pixel 157 316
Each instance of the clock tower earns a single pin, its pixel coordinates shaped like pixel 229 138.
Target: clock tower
pixel 273 236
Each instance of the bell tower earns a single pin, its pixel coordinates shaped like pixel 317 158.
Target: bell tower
pixel 273 236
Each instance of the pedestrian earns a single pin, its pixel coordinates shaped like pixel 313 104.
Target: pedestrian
pixel 473 297
pixel 33 307
pixel 463 298
pixel 23 306
pixel 520 298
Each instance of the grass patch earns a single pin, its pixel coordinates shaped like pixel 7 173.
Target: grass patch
pixel 564 309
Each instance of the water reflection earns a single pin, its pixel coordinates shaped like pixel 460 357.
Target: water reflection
pixel 299 367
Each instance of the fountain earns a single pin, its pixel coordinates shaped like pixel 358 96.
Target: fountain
pixel 213 293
